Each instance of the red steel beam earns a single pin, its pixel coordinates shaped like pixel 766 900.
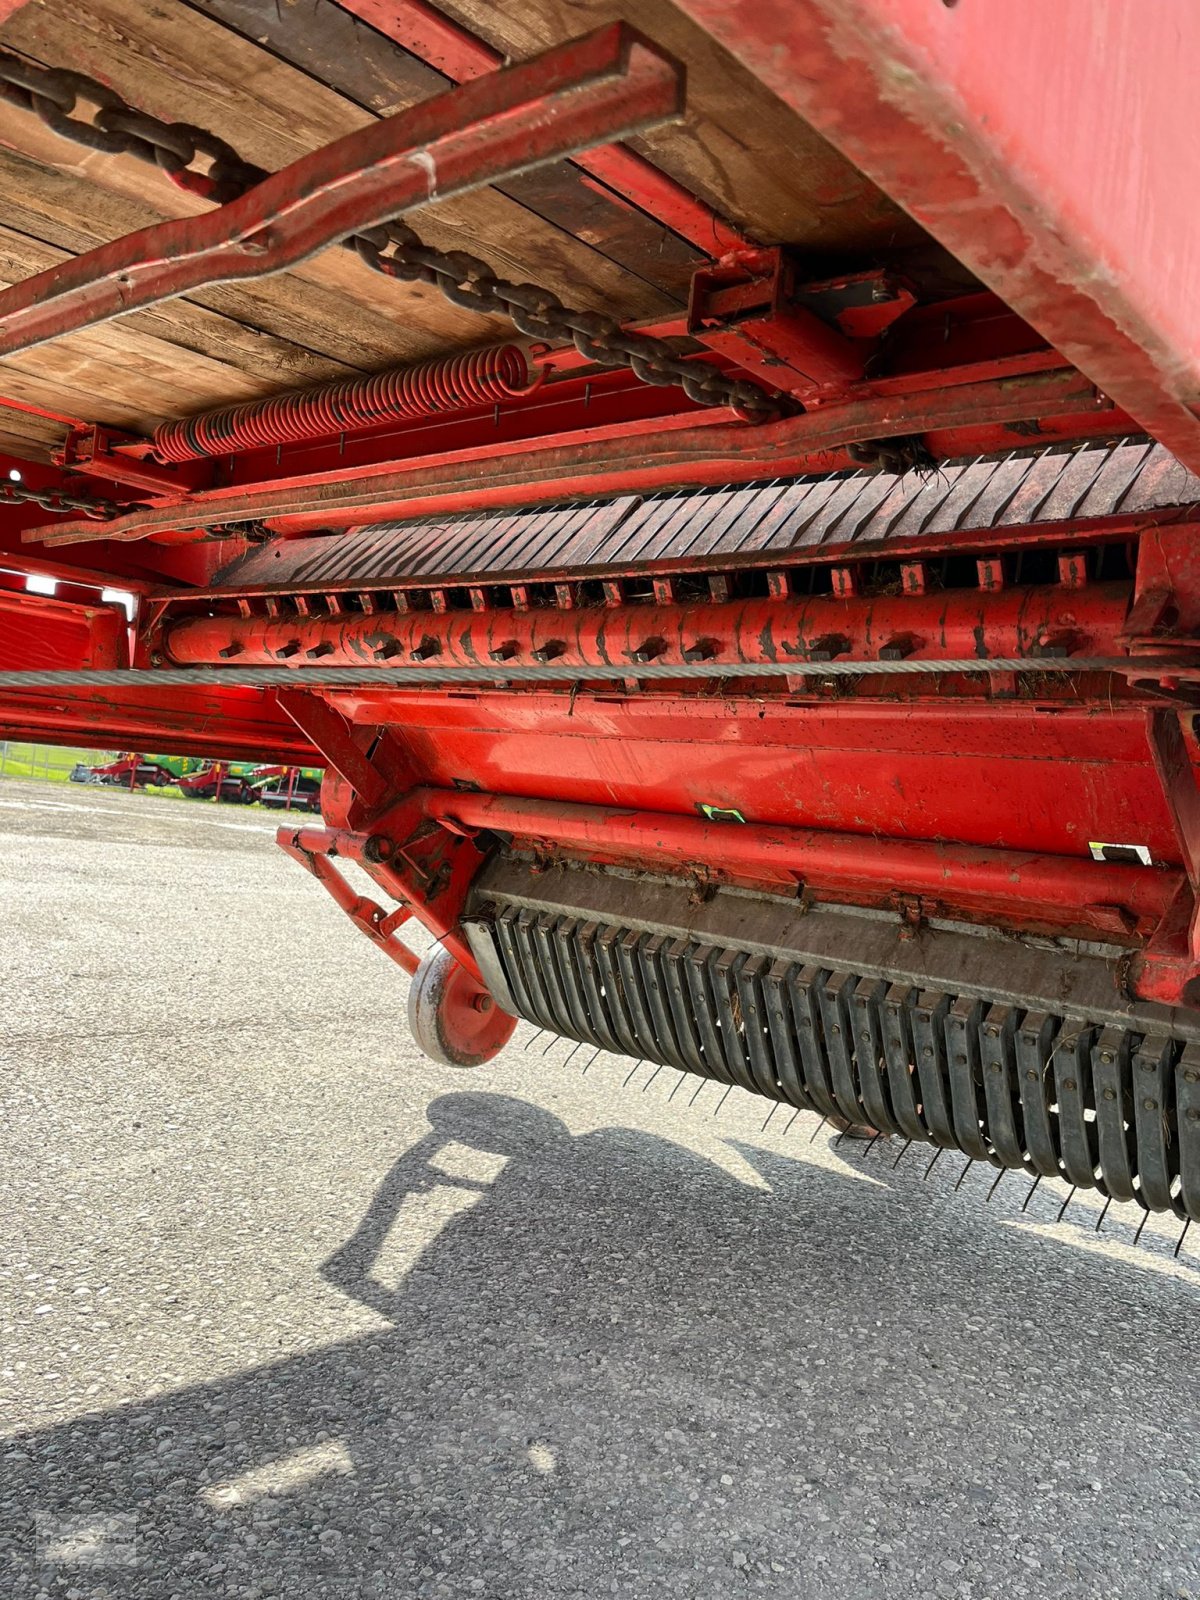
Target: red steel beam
pixel 1071 199
pixel 228 724
pixel 448 47
pixel 611 81
pixel 1058 891
pixel 526 472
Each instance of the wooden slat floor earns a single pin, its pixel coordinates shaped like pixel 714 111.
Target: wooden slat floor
pixel 278 78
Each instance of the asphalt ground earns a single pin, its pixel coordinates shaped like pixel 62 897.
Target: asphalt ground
pixel 289 1310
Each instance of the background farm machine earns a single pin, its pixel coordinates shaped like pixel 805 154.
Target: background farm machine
pixel 241 782
pixel 718 500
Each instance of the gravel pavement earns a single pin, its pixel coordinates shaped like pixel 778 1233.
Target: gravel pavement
pixel 291 1311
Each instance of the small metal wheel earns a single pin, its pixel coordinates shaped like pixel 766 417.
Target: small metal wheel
pixel 452 1016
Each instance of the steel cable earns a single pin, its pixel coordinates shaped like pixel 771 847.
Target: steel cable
pixel 393 677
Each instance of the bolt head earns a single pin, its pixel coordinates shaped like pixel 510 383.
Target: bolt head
pixel 1110 1094
pixel 1150 1105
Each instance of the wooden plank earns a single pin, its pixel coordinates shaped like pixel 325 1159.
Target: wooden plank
pixel 341 50
pixel 122 374
pixel 28 438
pixel 739 148
pixel 56 208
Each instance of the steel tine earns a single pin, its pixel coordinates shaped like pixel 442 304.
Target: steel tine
pixel 902 1154
pixel 573 1054
pixel 933 1164
pixel 872 1145
pixel 1065 1204
pixel 770 1114
pixel 683 1076
pixel 840 1137
pixel 592 1059
pixel 536 1037
pixel 1179 1243
pixel 1141 1225
pixel 818 1128
pixel 963 1174
pixel 555 1038
pixel 792 1119
pixel 636 1065
pixel 700 1088
pixel 1003 1171
pixel 1032 1187
pixel 1103 1214
pixel 651 1078
pixel 723 1098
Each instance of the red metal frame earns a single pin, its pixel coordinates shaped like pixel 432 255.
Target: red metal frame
pixel 611 82
pixel 979 798
pixel 1062 892
pixel 421 849
pixel 745 307
pixel 1066 201
pixel 589 405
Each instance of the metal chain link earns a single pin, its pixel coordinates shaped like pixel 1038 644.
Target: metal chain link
pixel 395 250
pixel 116 128
pixel 538 313
pixel 83 505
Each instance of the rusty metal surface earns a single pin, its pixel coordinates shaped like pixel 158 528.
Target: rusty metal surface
pixel 1125 479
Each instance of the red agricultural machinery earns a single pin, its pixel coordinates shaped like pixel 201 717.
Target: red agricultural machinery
pixel 719 500
pixel 236 782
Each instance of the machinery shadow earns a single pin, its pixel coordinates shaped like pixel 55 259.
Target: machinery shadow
pixel 619 1367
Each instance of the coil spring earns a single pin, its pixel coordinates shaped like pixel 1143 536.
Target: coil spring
pixel 478 377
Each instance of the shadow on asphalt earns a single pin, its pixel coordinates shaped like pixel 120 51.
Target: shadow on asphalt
pixel 622 1368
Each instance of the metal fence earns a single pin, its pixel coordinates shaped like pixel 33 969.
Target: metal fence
pixel 51 762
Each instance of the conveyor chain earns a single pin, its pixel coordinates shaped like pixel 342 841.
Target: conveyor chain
pixel 1098 1105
